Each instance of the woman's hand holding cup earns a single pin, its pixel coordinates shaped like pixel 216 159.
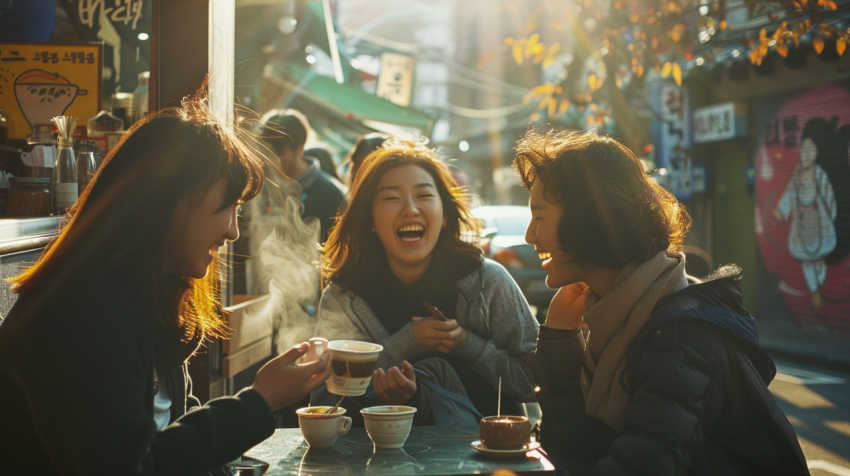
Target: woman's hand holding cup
pixel 395 387
pixel 282 382
pixel 438 336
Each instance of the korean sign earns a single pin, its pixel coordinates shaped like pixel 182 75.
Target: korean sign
pixel 123 11
pixel 41 80
pixel 673 139
pixel 719 122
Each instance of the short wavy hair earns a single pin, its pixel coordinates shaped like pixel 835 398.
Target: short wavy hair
pixel 353 251
pixel 613 213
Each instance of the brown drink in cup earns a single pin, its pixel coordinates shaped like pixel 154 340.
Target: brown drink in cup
pixel 504 432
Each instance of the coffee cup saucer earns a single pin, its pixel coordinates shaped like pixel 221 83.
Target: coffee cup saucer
pixel 477 446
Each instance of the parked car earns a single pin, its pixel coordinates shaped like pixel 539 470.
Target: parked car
pixel 503 240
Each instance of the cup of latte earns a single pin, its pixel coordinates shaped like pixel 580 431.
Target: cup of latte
pixel 352 364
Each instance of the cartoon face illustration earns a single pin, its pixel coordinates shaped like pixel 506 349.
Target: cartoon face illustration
pixel 42 95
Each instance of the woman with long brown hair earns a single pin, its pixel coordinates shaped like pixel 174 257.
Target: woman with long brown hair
pixel 93 375
pixel 400 244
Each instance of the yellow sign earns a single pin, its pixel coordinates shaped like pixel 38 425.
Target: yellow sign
pixel 41 80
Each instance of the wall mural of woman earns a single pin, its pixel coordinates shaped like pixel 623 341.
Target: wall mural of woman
pixel 803 204
pixel 809 201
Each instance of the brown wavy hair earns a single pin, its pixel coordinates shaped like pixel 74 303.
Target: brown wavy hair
pixel 613 213
pixel 117 229
pixel 353 252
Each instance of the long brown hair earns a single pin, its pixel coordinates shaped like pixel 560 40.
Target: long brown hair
pixel 118 227
pixel 353 251
pixel 613 213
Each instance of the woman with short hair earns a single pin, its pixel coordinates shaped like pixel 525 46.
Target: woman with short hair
pixel 670 379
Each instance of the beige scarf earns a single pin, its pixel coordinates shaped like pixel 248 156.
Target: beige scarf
pixel 614 320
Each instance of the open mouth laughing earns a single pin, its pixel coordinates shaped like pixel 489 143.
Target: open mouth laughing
pixel 411 233
pixel 545 258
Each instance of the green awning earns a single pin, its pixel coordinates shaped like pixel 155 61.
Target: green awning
pixel 349 103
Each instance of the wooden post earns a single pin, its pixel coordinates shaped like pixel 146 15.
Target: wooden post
pixel 189 40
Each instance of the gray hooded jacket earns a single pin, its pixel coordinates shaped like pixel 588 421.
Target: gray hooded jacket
pixel 501 332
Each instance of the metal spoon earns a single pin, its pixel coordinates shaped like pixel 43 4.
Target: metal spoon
pixel 336 406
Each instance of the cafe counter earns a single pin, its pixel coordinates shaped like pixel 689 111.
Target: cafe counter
pixel 21 243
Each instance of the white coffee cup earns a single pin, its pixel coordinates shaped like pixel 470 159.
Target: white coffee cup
pixel 388 426
pixel 320 428
pixel 352 364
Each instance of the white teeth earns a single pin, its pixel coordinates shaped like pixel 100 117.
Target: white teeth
pixel 411 228
pixel 544 256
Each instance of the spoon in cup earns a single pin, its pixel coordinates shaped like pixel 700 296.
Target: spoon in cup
pixel 336 406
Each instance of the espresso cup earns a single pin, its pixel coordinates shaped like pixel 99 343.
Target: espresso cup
pixel 352 364
pixel 504 432
pixel 320 428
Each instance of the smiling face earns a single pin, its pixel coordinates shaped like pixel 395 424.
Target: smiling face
pixel 542 232
pixel 200 228
pixel 408 216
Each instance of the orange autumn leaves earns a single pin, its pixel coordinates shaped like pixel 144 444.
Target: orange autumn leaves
pixel 675 69
pixel 531 48
pixel 547 93
pixel 784 37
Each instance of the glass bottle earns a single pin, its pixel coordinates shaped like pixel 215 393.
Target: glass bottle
pixel 86 163
pixel 140 96
pixel 103 122
pixel 65 186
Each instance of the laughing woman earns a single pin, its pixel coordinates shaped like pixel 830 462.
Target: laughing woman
pixel 399 245
pixel 671 379
pixel 93 355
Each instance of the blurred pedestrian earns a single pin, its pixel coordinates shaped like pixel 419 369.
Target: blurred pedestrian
pixel 399 245
pixel 364 146
pixel 325 158
pixel 93 355
pixel 671 379
pixel 286 133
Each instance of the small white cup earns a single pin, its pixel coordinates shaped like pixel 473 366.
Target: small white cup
pixel 388 426
pixel 352 364
pixel 321 429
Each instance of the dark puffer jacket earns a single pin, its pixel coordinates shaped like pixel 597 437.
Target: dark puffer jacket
pixel 699 403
